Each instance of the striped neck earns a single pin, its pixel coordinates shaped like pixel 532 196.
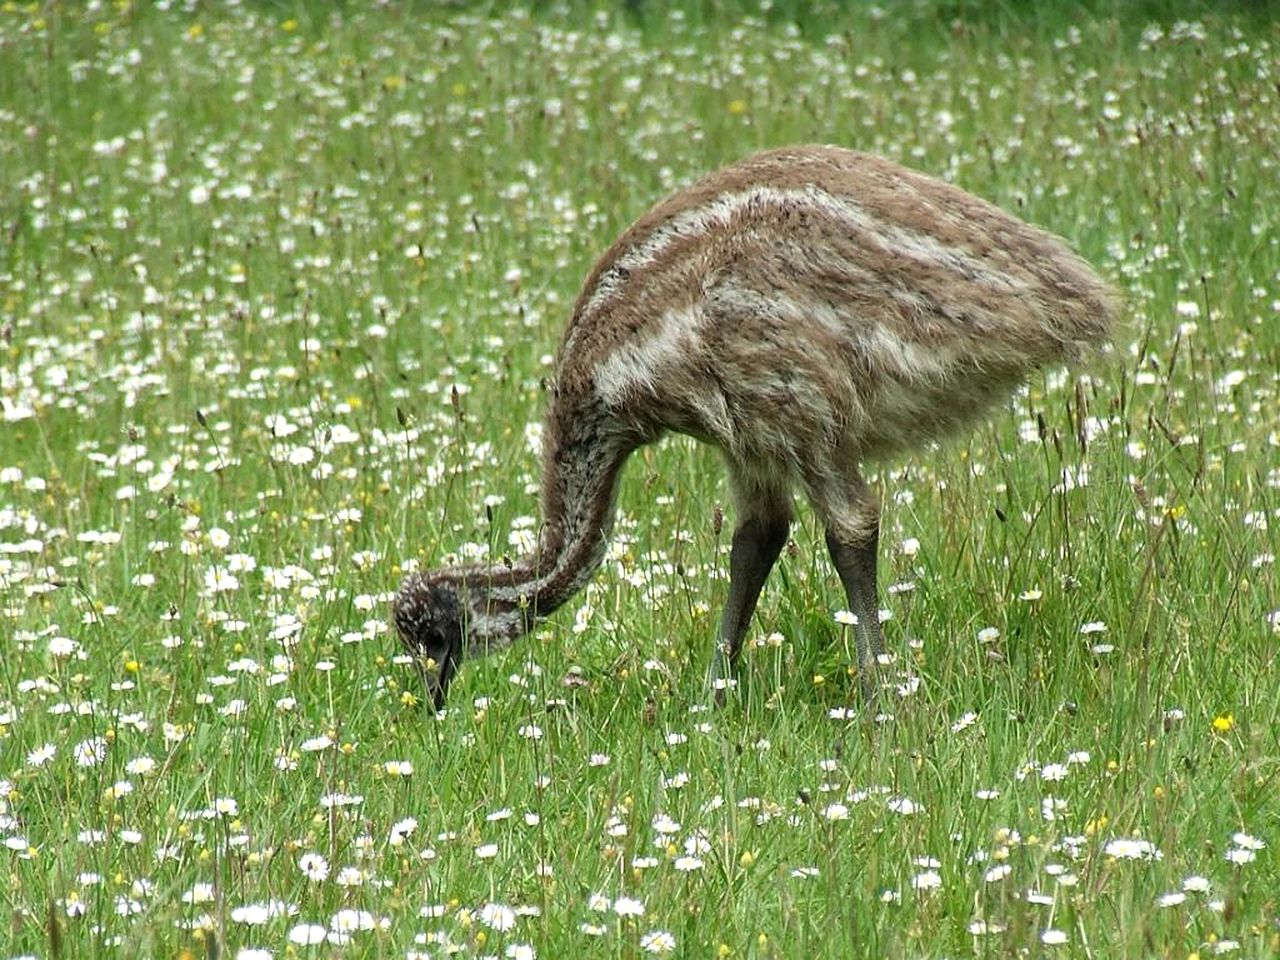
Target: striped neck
pixel 502 602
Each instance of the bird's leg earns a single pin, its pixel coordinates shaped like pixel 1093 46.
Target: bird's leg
pixel 854 556
pixel 757 542
pixel 850 510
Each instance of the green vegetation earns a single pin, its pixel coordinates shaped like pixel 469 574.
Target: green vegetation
pixel 279 291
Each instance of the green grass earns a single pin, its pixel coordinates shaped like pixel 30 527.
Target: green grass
pixel 279 289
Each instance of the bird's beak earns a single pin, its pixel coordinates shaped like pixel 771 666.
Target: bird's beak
pixel 436 675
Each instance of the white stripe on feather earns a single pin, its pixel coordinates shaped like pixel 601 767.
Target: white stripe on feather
pixel 719 212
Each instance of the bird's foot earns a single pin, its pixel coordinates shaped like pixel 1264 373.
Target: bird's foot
pixel 720 678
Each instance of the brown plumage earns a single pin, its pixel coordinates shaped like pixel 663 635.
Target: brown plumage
pixel 806 310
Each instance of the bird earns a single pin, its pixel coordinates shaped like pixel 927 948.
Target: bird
pixel 807 310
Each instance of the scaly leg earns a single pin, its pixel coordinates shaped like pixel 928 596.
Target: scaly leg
pixel 851 514
pixel 757 541
pixel 855 562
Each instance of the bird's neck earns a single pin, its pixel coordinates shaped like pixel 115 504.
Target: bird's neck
pixel 579 493
pixel 581 470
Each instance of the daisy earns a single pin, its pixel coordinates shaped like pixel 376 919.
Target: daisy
pixel 628 907
pixel 658 941
pixel 41 755
pixel 314 866
pixel 1132 849
pixel 498 916
pixel 90 753
pixel 928 880
pixel 307 934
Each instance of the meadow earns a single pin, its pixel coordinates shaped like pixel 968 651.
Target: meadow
pixel 280 289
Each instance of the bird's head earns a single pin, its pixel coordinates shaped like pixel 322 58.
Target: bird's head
pixel 428 615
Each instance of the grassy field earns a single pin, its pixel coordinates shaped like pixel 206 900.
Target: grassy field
pixel 280 290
